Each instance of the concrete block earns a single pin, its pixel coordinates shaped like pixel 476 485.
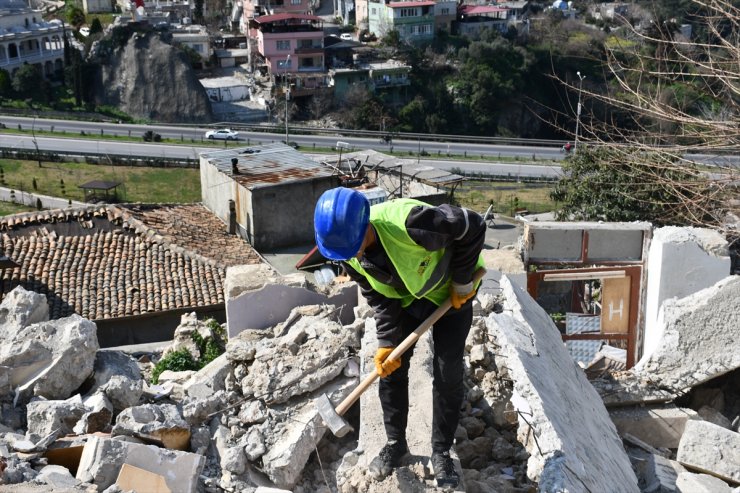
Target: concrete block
pixel 209 379
pixel 161 424
pixel 252 297
pixel 577 447
pixel 661 474
pixel 681 262
pixel 711 449
pixel 689 482
pixel 102 459
pixel 660 427
pixel 698 330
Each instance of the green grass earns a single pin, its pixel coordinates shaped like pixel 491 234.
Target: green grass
pixel 7 208
pixel 139 184
pixel 505 196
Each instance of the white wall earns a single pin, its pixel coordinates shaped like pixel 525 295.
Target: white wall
pixel 681 261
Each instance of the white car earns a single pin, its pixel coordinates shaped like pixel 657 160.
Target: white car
pixel 345 36
pixel 222 134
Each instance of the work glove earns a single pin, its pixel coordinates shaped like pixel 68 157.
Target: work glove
pixel 460 293
pixel 383 367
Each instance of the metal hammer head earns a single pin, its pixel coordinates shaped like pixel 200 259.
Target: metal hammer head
pixel 337 424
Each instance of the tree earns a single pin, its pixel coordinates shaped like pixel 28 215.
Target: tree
pixel 6 84
pixel 28 82
pixel 95 26
pixel 75 16
pixel 675 101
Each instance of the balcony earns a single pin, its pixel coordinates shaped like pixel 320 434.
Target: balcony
pixel 31 58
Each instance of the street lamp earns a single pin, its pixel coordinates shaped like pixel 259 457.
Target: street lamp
pixel 287 97
pixel 578 109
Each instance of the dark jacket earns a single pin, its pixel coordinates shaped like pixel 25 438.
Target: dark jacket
pixel 433 228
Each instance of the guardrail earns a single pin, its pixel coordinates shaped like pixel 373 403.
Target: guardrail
pixel 99 158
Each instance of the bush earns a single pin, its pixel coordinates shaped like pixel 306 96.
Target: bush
pixel 180 360
pixel 151 136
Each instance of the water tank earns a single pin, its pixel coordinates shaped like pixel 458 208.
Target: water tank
pixel 375 195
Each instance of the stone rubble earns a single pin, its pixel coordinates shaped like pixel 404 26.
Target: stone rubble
pixel 248 420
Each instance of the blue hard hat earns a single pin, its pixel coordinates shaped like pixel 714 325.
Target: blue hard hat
pixel 340 221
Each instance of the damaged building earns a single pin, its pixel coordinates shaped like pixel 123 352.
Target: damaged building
pixel 601 357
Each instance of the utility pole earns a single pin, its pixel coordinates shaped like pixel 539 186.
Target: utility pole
pixel 578 109
pixel 287 96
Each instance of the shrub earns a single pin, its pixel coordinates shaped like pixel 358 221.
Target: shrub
pixel 180 360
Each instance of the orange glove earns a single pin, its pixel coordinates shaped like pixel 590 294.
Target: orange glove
pixel 383 367
pixel 460 293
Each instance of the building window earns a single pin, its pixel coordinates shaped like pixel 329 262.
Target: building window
pixel 198 48
pixel 305 43
pixel 374 11
pixel 296 2
pixel 409 12
pixel 445 11
pixel 283 45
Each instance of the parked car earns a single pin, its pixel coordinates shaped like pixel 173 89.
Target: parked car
pixel 222 134
pixel 346 36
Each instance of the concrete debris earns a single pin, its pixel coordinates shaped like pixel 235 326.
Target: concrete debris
pixel 102 459
pixel 628 389
pixel 50 359
pixel 98 417
pixel 713 416
pixel 284 368
pixel 681 262
pixel 660 474
pixel 689 482
pixel 209 379
pixel 687 357
pixel 559 433
pixel 21 308
pixel 252 289
pixel 46 417
pixel 711 449
pixel 160 424
pixel 183 337
pixel 660 427
pixel 197 411
pixel 57 477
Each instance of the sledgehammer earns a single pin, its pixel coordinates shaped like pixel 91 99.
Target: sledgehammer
pixel 333 416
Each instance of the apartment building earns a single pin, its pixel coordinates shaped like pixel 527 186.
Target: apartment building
pixel 26 38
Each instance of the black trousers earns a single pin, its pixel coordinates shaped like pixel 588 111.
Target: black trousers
pixel 448 334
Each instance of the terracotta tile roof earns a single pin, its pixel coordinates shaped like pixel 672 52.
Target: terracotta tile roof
pixel 194 228
pixel 105 262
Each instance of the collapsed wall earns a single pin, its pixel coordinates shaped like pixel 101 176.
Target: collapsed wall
pixel 573 444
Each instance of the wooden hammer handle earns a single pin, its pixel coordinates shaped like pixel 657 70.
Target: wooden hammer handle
pixel 402 348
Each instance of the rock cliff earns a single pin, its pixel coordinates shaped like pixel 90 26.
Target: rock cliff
pixel 150 79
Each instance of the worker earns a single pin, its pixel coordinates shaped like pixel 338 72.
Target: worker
pixel 408 258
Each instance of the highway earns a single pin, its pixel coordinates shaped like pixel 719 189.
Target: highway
pixel 195 135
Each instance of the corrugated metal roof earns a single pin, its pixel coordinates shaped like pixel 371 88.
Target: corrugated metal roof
pixel 267 165
pixel 421 172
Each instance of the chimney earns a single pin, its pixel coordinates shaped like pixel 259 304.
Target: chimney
pixel 234 168
pixel 232 214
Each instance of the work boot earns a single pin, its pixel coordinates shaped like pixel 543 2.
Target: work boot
pixel 388 458
pixel 444 470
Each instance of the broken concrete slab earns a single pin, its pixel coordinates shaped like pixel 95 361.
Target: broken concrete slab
pixel 48 416
pixel 681 261
pixel 283 369
pixel 21 308
pixel 688 482
pixel 49 359
pixel 713 416
pixel 154 423
pixel 630 389
pixel 102 459
pixel 209 379
pixel 123 392
pixel 687 357
pixel 251 291
pixel 292 441
pixel 711 449
pixel 661 474
pixel 98 417
pixel 659 427
pixel 561 417
pixel 57 477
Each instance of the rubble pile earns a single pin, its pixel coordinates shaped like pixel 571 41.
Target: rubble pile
pixel 77 418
